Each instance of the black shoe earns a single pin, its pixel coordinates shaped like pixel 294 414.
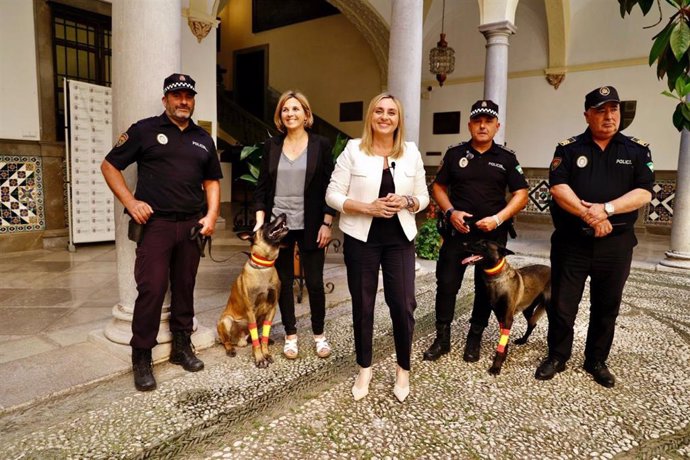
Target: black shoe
pixel 182 353
pixel 473 343
pixel 549 368
pixel 441 345
pixel 601 373
pixel 143 369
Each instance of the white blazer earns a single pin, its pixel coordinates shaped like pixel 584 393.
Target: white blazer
pixel 357 176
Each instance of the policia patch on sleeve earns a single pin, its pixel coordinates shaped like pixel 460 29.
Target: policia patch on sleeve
pixel 555 163
pixel 121 140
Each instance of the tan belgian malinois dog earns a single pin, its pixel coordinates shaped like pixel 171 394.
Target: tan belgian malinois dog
pixel 511 291
pixel 254 294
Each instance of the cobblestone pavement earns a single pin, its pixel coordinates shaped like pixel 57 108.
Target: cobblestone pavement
pixel 304 409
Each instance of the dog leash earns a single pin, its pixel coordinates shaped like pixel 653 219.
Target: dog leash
pixel 202 241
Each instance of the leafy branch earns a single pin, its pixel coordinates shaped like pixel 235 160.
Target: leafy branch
pixel 670 52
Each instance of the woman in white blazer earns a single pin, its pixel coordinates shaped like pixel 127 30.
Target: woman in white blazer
pixel 378 185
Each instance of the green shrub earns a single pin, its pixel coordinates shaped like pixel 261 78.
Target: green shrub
pixel 428 240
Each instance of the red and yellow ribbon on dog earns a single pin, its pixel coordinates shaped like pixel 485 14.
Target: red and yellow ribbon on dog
pixel 254 333
pixel 265 331
pixel 503 340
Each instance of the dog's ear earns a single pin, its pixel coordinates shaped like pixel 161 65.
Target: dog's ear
pixel 506 251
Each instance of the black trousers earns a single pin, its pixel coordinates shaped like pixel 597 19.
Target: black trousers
pixel 450 272
pixel 607 262
pixel 312 263
pixel 166 254
pixel 397 263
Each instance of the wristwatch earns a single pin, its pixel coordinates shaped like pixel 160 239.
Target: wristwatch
pixel 449 212
pixel 609 208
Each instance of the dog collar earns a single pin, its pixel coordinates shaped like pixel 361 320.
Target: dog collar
pixel 497 269
pixel 261 262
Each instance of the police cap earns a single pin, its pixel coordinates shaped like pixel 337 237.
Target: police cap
pixel 178 81
pixel 484 107
pixel 601 96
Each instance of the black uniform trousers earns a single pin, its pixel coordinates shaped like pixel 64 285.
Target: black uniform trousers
pixel 312 263
pixel 165 254
pixel 607 262
pixel 397 263
pixel 450 272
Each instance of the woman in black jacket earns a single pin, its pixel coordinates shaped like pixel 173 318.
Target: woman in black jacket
pixel 295 172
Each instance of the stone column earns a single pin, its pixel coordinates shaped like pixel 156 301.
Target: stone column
pixel 405 61
pixel 146 49
pixel 496 69
pixel 679 254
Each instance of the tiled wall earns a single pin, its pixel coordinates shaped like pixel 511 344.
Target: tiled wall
pixel 659 212
pixel 21 194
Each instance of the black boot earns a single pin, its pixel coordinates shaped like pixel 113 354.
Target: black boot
pixel 473 343
pixel 143 369
pixel 441 344
pixel 182 353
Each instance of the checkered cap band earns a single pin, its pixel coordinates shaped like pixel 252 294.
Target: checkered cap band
pixel 484 111
pixel 179 85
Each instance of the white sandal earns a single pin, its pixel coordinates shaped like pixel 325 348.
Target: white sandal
pixel 323 349
pixel 290 349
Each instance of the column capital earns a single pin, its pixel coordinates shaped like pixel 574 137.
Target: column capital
pixel 500 27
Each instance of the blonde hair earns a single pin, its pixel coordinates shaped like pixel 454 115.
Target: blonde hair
pixel 302 99
pixel 367 143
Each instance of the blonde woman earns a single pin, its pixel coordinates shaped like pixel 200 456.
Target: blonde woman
pixel 378 185
pixel 296 167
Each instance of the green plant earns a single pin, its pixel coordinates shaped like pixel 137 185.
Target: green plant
pixel 252 155
pixel 339 146
pixel 428 240
pixel 670 52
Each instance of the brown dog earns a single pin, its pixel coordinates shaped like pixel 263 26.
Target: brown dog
pixel 511 291
pixel 254 294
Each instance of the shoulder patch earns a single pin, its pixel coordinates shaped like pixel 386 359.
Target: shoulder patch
pixel 570 140
pixel 639 141
pixel 121 140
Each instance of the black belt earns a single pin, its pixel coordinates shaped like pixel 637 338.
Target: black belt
pixel 175 216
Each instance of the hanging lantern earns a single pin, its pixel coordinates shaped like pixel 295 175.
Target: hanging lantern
pixel 442 58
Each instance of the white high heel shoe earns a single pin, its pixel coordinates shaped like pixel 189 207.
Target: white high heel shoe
pixel 364 376
pixel 401 389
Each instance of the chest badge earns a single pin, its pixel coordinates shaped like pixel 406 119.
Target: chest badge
pixel 162 139
pixel 463 162
pixel 582 161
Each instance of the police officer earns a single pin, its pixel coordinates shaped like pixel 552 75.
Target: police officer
pixel 470 187
pixel 178 189
pixel 599 180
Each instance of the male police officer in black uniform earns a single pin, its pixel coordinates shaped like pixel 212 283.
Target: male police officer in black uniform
pixel 177 189
pixel 477 173
pixel 599 180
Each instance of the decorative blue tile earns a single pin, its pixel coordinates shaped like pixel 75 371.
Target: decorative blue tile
pixel 21 194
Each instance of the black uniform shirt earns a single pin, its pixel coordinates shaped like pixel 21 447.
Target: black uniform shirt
pixel 478 181
pixel 600 176
pixel 172 164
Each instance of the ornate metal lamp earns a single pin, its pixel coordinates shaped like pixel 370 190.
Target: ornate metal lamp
pixel 442 58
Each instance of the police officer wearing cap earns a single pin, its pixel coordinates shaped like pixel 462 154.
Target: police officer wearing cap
pixel 470 187
pixel 598 180
pixel 178 188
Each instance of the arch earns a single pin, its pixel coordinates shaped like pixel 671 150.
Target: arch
pixel 373 28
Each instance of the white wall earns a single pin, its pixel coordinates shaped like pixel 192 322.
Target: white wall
pixel 19 118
